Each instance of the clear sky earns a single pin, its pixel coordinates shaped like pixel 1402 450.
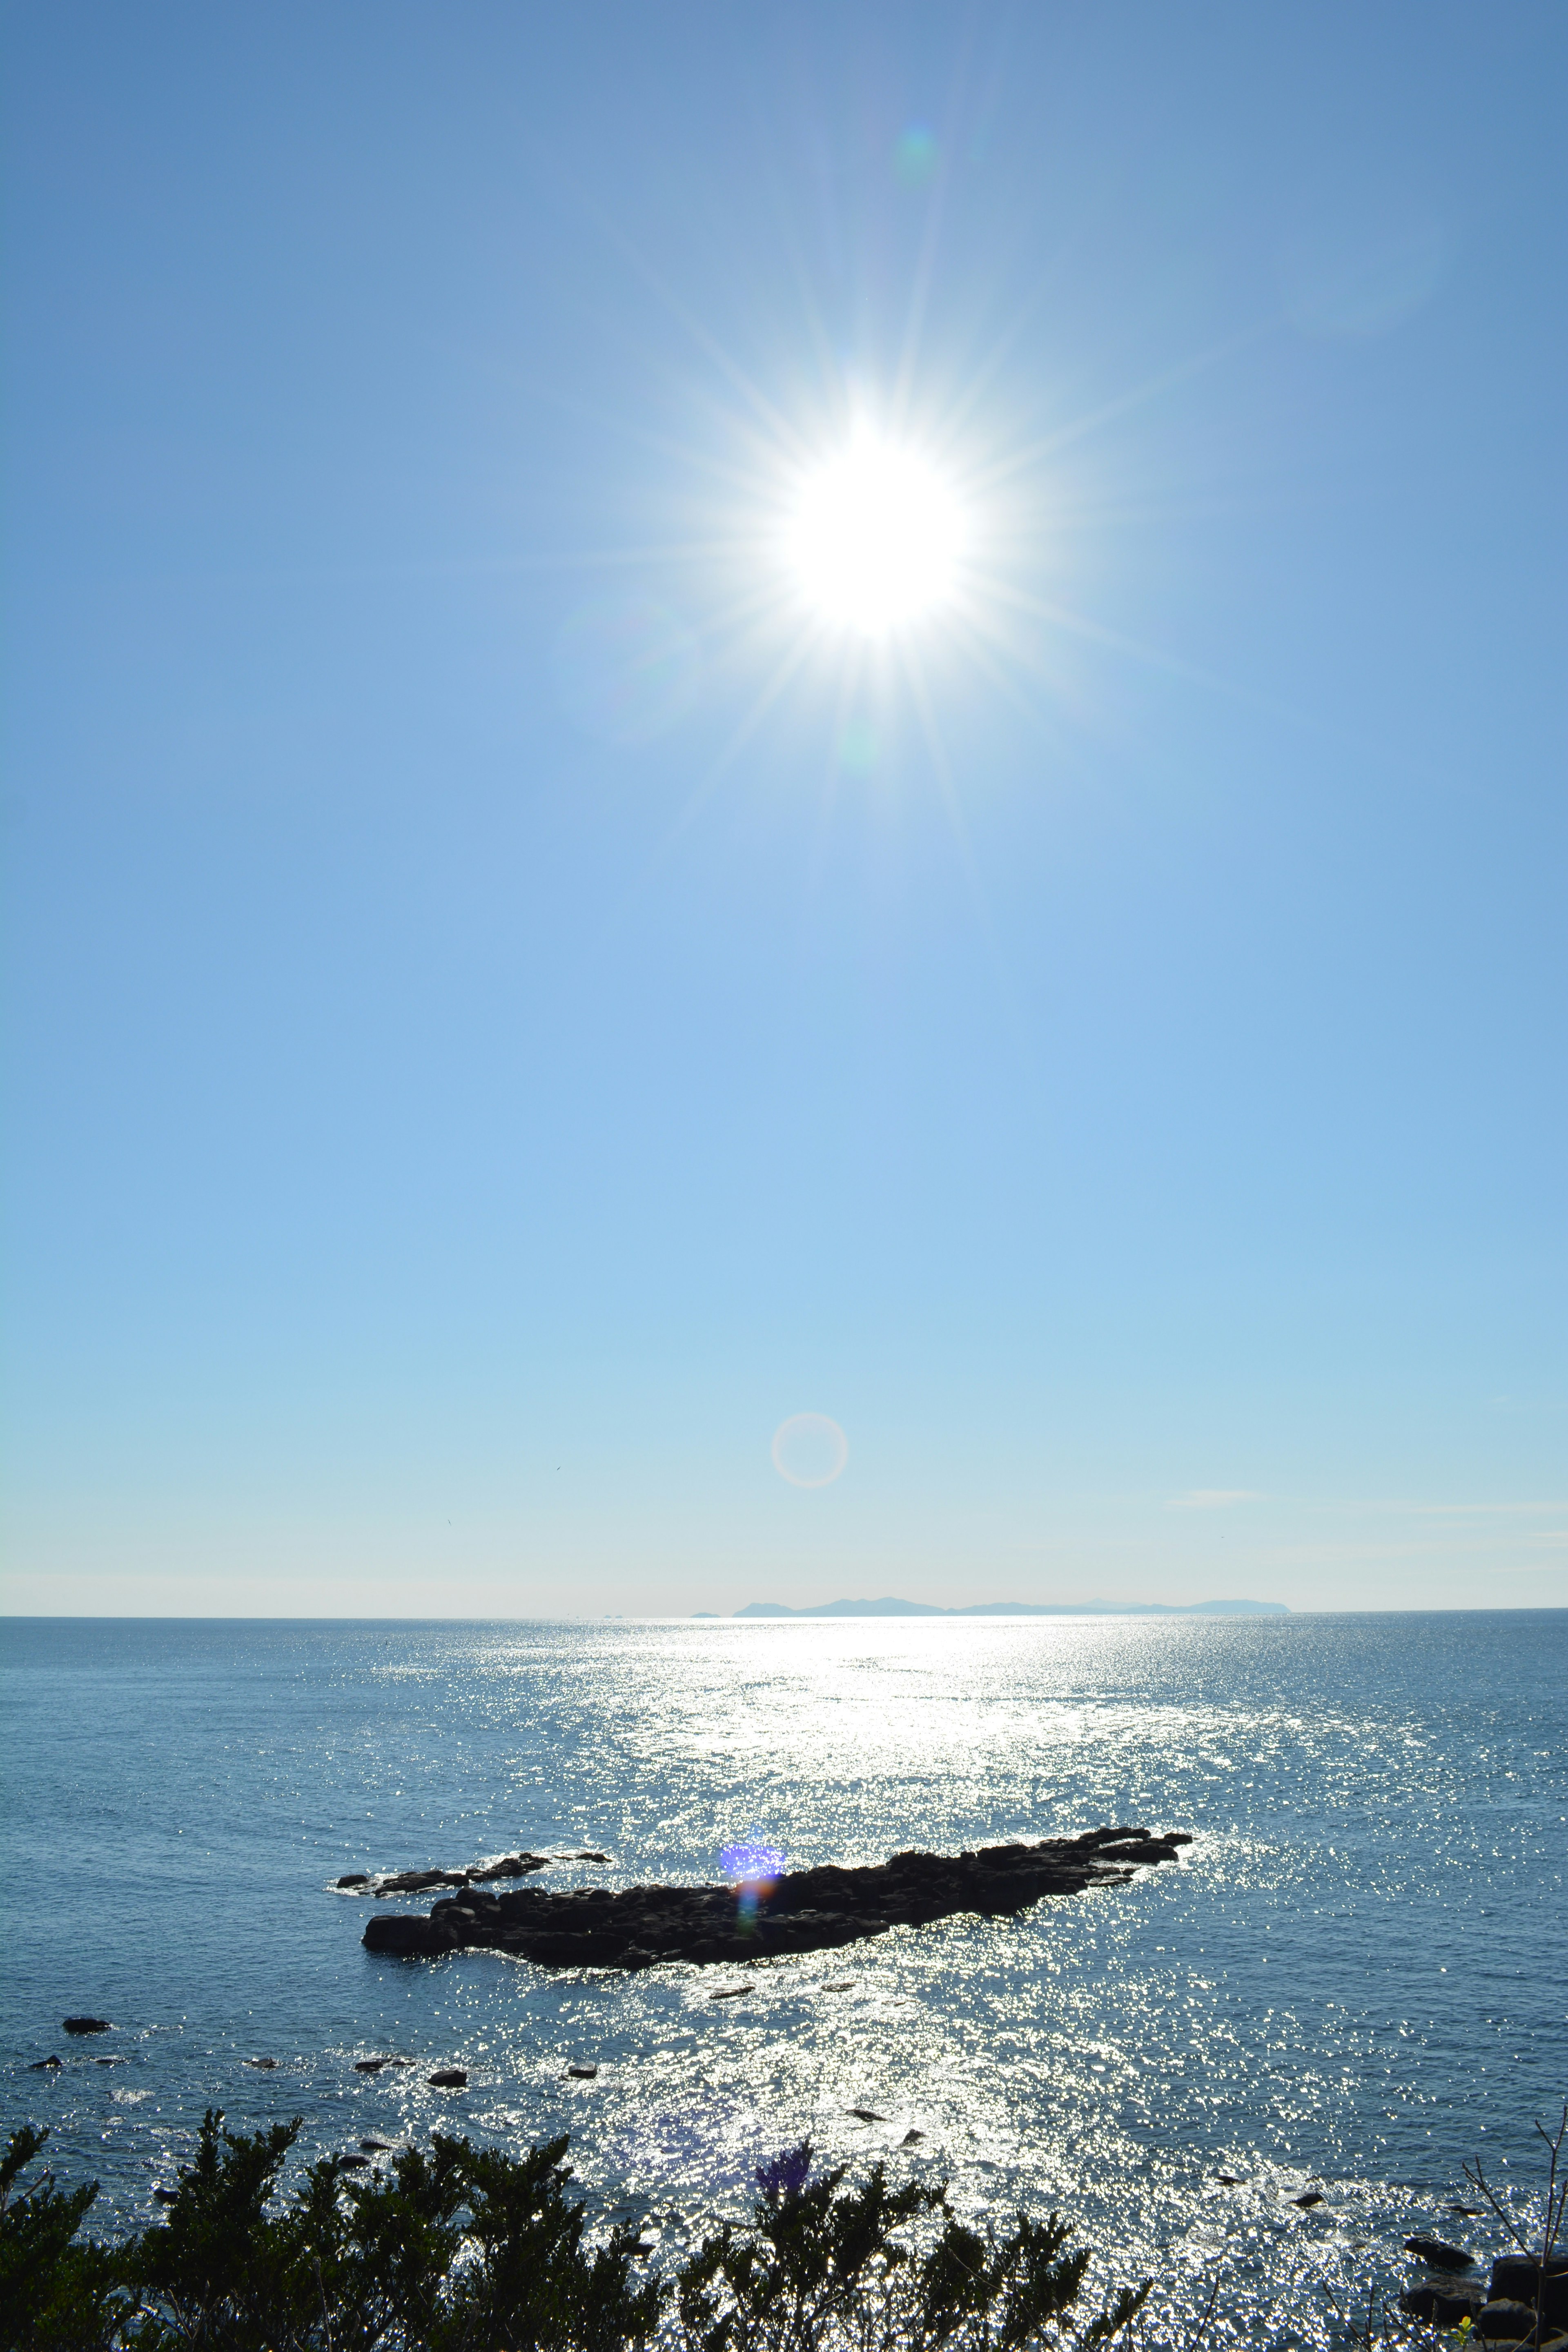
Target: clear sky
pixel 517 987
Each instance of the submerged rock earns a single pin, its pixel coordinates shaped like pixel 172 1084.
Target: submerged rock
pixel 807 1911
pixel 87 2025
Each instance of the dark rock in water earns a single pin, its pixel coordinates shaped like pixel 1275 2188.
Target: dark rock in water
pixel 478 1873
pixel 1229 2180
pixel 448 2078
pixel 1518 2278
pixel 167 2196
pixel 353 2164
pixel 262 2065
pixel 910 2137
pixel 1437 2256
pixel 809 1910
pixel 1445 2306
pixel 87 2025
pixel 376 2146
pixel 370 2065
pixel 1313 2197
pixel 41 2065
pixel 867 2115
pixel 581 2073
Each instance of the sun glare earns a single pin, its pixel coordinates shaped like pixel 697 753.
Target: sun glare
pixel 875 538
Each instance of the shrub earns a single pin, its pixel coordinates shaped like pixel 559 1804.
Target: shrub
pixel 461 2249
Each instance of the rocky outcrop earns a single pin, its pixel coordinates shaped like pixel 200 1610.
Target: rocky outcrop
pixel 807 1910
pixel 1502 2311
pixel 86 2025
pixel 419 1881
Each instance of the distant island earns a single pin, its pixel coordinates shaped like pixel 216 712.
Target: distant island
pixel 891 1607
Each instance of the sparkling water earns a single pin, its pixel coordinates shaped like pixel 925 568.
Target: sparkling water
pixel 1355 1979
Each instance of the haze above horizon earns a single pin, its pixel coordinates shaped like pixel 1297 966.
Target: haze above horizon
pixel 784 806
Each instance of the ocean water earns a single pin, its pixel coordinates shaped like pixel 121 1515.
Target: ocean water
pixel 1356 1979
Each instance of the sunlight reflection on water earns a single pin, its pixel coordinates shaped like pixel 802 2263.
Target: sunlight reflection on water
pixel 1351 1981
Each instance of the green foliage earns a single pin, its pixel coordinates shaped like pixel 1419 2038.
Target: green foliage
pixel 820 2268
pixel 53 2292
pixel 461 2249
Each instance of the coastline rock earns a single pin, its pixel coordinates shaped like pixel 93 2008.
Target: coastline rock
pixel 448 2078
pixel 1505 2322
pixel 87 2025
pixel 1444 2306
pixel 44 2065
pixel 809 1910
pixel 1518 2278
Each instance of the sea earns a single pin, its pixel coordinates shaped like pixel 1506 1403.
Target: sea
pixel 1352 1986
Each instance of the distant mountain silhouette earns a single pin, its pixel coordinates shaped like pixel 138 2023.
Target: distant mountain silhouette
pixel 891 1607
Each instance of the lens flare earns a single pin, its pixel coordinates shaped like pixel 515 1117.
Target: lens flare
pixel 810 1449
pixel 876 538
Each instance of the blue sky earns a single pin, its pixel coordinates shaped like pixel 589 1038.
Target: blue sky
pixel 1100 1045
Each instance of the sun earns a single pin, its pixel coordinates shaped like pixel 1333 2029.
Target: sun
pixel 875 538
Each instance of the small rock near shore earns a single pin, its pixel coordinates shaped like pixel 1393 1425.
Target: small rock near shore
pixel 1437 2256
pixel 448 2078
pixel 1518 2278
pixel 1444 2306
pixel 87 2025
pixel 1505 2321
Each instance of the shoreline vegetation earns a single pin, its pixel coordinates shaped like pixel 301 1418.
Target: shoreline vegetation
pixel 466 2248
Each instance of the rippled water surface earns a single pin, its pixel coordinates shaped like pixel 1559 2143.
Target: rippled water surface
pixel 1355 1980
